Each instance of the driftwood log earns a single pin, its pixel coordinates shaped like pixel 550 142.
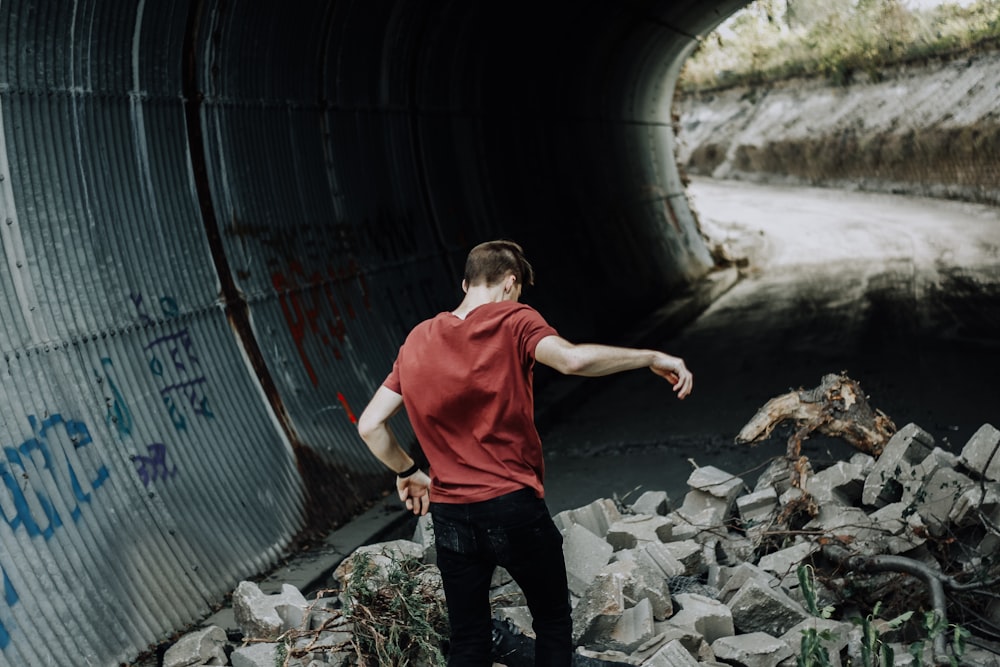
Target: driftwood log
pixel 837 408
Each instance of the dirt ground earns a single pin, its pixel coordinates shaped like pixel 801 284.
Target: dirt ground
pixel 902 293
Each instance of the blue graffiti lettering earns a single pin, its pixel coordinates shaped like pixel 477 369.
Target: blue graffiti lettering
pixel 154 466
pixel 119 416
pixel 35 511
pixel 11 597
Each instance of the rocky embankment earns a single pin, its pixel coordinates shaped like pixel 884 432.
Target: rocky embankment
pixel 889 552
pixel 928 128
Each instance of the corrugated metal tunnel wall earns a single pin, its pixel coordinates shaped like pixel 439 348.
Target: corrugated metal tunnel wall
pixel 219 219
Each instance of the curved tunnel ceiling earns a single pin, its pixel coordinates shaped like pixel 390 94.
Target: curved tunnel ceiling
pixel 220 218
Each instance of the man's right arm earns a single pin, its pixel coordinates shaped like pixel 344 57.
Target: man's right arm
pixel 591 360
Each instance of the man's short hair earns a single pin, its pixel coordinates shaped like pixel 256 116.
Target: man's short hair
pixel 490 263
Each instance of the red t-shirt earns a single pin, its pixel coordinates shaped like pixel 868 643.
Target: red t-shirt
pixel 467 388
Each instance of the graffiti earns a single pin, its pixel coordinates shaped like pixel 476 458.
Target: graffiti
pixel 52 453
pixel 11 597
pixel 312 310
pixel 154 466
pixel 119 416
pixel 347 408
pixel 173 359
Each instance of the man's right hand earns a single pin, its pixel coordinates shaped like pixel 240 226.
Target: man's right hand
pixel 414 491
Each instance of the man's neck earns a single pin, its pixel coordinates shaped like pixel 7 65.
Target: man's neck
pixel 476 296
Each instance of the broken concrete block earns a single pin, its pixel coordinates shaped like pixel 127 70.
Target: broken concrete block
pixel 585 555
pixel 255 655
pixel 939 495
pixel 777 475
pixel 660 558
pixel 201 647
pixel 690 554
pixel 757 507
pixel 734 578
pixel 595 517
pixel 981 454
pixel 715 482
pixel 965 511
pixel 256 613
pixel 689 638
pixel 759 608
pixel 643 581
pixel 700 512
pixel 708 617
pixel 671 654
pixel 600 607
pixel 630 531
pixel 753 649
pixel 841 483
pixel 786 560
pixel 909 446
pixel 652 502
pixel 633 629
pixel 734 548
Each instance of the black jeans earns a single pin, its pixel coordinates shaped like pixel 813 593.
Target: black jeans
pixel 514 531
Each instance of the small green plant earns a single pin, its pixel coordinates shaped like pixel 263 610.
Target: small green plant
pixel 874 651
pixel 397 619
pixel 812 652
pixel 934 626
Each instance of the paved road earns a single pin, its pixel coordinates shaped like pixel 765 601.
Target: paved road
pixel 902 293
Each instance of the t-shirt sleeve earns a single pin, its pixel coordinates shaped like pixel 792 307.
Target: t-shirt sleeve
pixel 391 382
pixel 531 328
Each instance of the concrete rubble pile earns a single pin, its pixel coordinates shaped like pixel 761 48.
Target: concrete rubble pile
pixel 715 580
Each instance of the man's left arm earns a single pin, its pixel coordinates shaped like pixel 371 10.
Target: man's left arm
pixel 373 427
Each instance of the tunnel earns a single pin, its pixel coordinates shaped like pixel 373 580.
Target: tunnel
pixel 219 221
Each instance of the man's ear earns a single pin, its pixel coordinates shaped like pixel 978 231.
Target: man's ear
pixel 465 286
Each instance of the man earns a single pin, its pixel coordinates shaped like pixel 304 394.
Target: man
pixel 465 378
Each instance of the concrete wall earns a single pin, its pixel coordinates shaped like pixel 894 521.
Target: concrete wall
pixel 927 128
pixel 219 219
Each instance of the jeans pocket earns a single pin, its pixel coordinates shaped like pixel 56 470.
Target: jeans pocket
pixel 511 544
pixel 453 536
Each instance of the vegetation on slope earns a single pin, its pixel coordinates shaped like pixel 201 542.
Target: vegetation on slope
pixel 835 39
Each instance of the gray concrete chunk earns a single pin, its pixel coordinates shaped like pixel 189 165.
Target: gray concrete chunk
pixel 595 517
pixel 710 618
pixel 630 531
pixel 633 629
pixel 201 647
pixel 255 655
pixel 909 446
pixel 754 649
pixel 600 607
pixel 661 559
pixel 585 555
pixel 652 502
pixel 786 560
pixel 940 493
pixel 757 507
pixel 671 654
pixel 981 453
pixel 716 482
pixel 759 608
pixel 256 613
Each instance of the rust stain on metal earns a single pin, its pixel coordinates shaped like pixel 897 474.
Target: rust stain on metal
pixel 330 494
